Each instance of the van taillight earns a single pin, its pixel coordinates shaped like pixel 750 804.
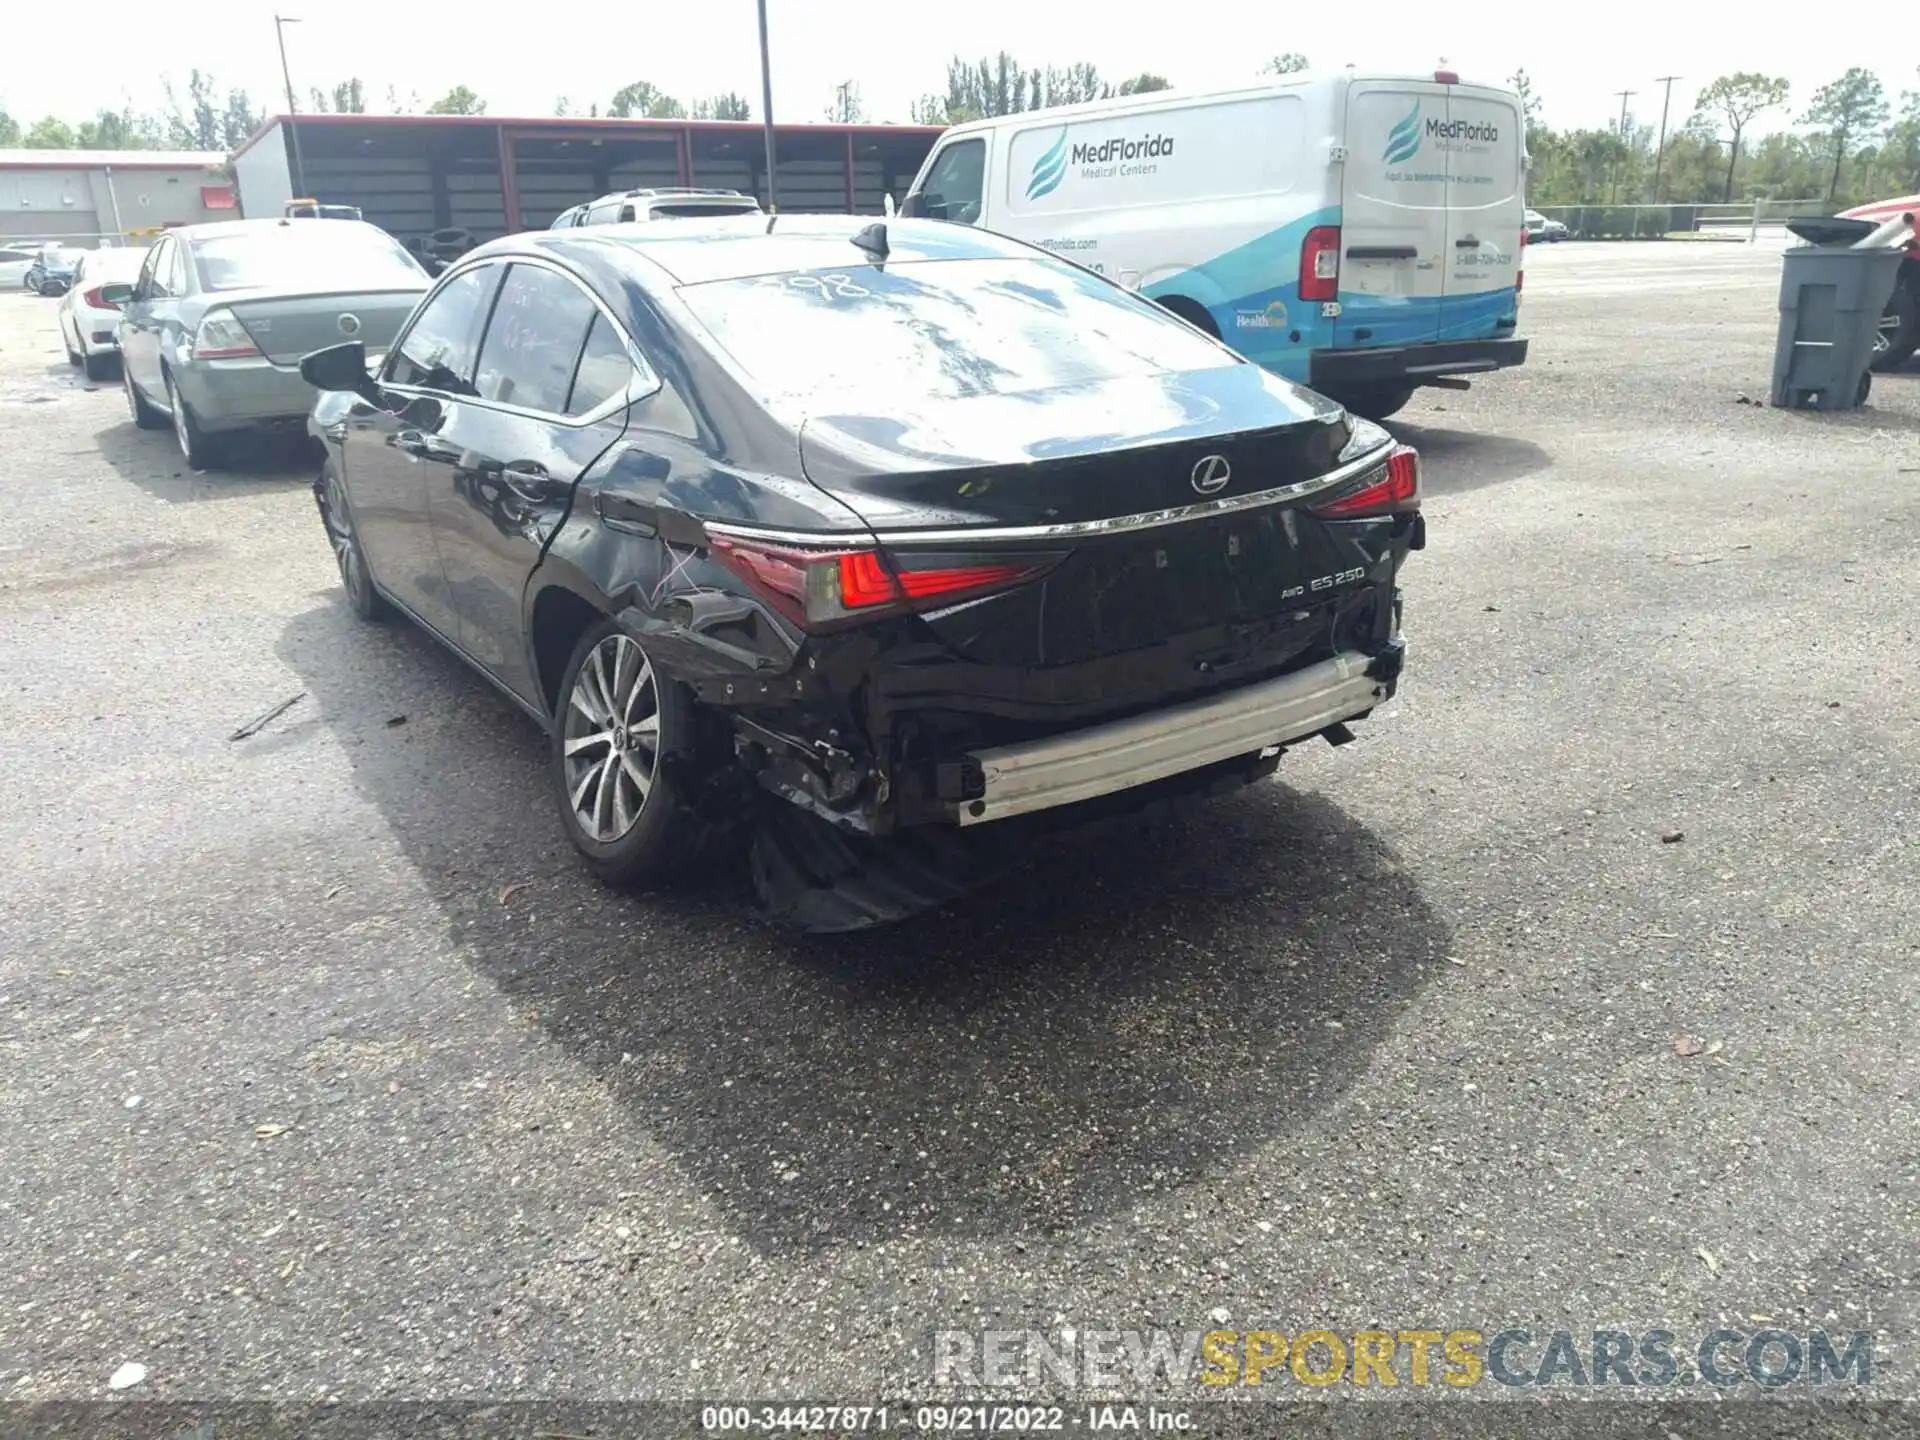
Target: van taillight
pixel 1320 263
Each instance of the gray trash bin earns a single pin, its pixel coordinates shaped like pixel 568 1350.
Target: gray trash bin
pixel 1830 305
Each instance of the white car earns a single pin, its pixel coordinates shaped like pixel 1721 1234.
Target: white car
pixel 1542 231
pixel 15 261
pixel 88 322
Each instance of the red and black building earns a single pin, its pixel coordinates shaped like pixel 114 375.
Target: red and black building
pixel 414 174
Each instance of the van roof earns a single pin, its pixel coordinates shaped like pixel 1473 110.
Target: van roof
pixel 1152 98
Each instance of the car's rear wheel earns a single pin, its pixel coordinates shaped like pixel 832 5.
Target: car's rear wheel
pixel 74 357
pixel 1377 402
pixel 200 450
pixel 99 366
pixel 144 415
pixel 1899 333
pixel 355 578
pixel 619 728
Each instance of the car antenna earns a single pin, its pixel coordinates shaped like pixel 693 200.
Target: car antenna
pixel 873 240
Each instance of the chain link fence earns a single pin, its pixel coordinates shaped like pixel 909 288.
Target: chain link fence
pixel 1739 221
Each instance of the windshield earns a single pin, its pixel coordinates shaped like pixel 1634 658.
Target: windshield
pixel 311 257
pixel 944 329
pixel 60 256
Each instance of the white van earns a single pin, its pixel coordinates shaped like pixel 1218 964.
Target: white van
pixel 1359 233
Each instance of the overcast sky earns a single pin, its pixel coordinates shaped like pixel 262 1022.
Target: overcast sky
pixel 521 57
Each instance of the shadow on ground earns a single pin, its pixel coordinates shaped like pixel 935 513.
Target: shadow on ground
pixel 1128 1014
pixel 150 459
pixel 1453 462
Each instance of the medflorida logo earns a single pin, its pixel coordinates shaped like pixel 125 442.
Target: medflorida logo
pixel 1403 141
pixel 1102 160
pixel 1050 169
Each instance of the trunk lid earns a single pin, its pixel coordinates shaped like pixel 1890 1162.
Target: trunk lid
pixel 1166 550
pixel 1074 454
pixel 287 327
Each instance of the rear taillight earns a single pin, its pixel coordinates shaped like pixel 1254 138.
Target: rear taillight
pixel 221 336
pixel 819 589
pixel 94 300
pixel 1320 263
pixel 1392 488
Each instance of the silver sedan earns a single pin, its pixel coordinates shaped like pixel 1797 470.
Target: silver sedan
pixel 212 333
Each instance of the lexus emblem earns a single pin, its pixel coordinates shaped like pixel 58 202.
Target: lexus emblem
pixel 1212 474
pixel 349 324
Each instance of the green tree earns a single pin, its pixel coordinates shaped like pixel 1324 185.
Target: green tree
pixel 109 130
pixel 9 131
pixel 930 110
pixel 458 101
pixel 1529 102
pixel 1291 63
pixel 1849 109
pixel 1071 85
pixel 644 100
pixel 846 108
pixel 1737 98
pixel 209 120
pixel 349 97
pixel 49 133
pixel 722 107
pixel 1144 83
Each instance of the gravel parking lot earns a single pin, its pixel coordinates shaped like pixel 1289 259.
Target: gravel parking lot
pixel 1577 992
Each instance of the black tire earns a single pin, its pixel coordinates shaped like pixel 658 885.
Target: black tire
pixel 1378 403
pixel 1191 311
pixel 666 837
pixel 1903 310
pixel 75 357
pixel 200 450
pixel 101 366
pixel 356 578
pixel 144 415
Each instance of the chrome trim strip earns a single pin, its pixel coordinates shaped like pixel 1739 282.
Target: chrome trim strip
pixel 1102 759
pixel 1081 529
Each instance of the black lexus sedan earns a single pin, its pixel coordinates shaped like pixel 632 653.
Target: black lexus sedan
pixel 874 534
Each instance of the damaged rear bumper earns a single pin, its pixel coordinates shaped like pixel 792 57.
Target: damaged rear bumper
pixel 1103 759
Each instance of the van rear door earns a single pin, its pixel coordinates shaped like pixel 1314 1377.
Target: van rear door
pixel 1393 227
pixel 1485 213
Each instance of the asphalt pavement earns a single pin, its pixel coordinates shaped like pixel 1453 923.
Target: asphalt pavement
pixel 1577 992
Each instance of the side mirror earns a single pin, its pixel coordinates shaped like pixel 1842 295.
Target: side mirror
pixel 117 293
pixel 340 367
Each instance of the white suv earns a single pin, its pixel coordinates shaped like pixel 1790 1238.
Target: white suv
pixel 627 206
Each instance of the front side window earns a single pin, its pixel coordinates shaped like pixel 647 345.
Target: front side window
pixel 533 341
pixel 872 336
pixel 438 352
pixel 955 183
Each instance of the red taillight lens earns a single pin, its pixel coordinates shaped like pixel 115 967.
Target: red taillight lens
pixel 818 589
pixel 1320 263
pixel 1393 488
pixel 97 301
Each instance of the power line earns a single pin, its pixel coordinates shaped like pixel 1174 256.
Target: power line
pixel 1624 95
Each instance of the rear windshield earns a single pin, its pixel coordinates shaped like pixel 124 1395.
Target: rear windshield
pixel 944 328
pixel 342 255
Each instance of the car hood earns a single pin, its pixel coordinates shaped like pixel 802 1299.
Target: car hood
pixel 1070 453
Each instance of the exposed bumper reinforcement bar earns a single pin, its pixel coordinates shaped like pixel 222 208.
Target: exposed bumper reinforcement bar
pixel 1102 759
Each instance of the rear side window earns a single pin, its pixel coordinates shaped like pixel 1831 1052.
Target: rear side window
pixel 605 368
pixel 955 183
pixel 439 349
pixel 534 340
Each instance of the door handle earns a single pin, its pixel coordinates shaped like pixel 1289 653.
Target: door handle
pixel 411 442
pixel 530 482
pixel 1467 242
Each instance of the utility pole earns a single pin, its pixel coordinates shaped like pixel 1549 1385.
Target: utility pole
pixel 1624 95
pixel 766 104
pixel 280 23
pixel 1660 150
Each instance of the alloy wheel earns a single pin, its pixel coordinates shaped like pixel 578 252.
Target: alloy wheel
pixel 180 435
pixel 1883 334
pixel 346 553
pixel 611 739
